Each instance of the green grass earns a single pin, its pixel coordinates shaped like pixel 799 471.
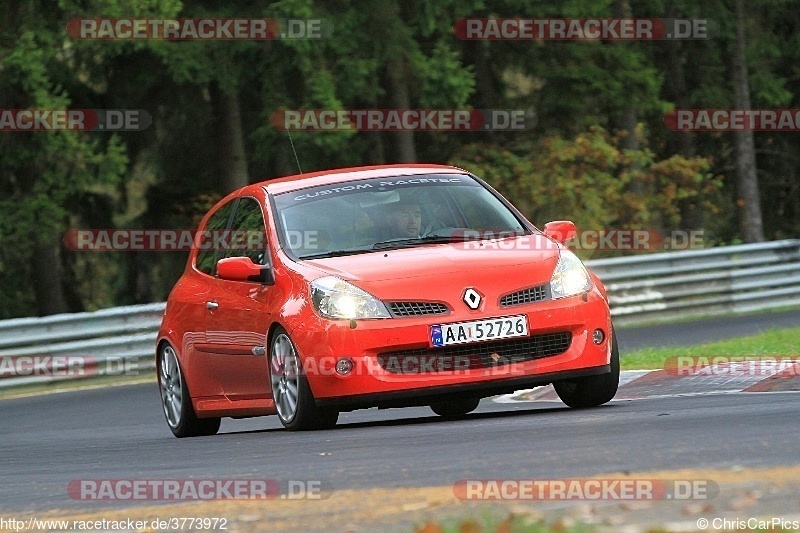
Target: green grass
pixel 770 343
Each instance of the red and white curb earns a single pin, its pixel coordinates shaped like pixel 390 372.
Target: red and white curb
pixel 717 379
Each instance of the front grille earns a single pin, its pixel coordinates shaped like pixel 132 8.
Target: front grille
pixel 401 309
pixel 526 296
pixel 475 355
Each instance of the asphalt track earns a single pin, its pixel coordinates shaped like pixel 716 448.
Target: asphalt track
pixel 115 433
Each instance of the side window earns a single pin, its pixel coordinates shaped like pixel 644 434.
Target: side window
pixel 207 258
pixel 248 232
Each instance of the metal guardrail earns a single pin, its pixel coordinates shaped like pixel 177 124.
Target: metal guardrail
pixel 116 340
pixel 646 288
pixel 728 279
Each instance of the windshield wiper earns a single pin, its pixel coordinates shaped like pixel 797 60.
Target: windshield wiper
pixel 402 242
pixel 335 253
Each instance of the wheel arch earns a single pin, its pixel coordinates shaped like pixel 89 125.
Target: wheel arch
pixel 273 327
pixel 300 354
pixel 161 342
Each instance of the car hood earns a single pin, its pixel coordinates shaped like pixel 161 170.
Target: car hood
pixel 502 263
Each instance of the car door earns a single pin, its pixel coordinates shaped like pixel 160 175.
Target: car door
pixel 238 317
pixel 197 288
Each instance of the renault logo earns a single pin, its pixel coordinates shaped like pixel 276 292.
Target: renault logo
pixel 472 298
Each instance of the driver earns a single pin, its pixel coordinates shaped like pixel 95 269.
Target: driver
pixel 404 219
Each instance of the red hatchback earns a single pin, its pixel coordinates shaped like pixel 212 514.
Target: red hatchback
pixel 385 286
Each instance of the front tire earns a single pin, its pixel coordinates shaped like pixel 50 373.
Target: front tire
pixel 294 401
pixel 592 391
pixel 176 400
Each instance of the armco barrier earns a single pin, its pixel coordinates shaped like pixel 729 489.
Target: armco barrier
pixel 109 338
pixel 646 288
pixel 728 279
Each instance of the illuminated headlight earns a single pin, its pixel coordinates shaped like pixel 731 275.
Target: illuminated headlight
pixel 570 276
pixel 336 298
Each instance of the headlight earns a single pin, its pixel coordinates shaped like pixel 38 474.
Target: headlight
pixel 570 276
pixel 336 298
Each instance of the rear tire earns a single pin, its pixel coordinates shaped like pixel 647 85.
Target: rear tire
pixel 297 408
pixel 177 401
pixel 456 407
pixel 592 391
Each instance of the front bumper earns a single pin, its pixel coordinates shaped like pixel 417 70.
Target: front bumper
pixel 429 395
pixel 321 342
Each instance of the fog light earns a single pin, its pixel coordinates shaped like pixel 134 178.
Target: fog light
pixel 344 366
pixel 598 336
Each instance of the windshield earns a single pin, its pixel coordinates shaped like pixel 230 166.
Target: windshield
pixel 387 213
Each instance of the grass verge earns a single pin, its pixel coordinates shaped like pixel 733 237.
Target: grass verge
pixel 770 343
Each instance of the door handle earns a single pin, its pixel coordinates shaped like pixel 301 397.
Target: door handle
pixel 212 305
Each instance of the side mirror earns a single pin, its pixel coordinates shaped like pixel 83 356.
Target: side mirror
pixel 560 230
pixel 243 269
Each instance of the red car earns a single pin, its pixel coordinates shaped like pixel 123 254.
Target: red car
pixel 384 286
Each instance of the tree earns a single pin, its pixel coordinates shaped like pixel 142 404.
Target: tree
pixel 751 225
pixel 43 174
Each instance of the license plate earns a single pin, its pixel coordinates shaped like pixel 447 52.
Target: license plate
pixel 479 330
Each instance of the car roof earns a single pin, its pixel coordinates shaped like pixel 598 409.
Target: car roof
pixel 328 177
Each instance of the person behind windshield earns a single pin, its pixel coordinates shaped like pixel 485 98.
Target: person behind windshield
pixel 404 220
